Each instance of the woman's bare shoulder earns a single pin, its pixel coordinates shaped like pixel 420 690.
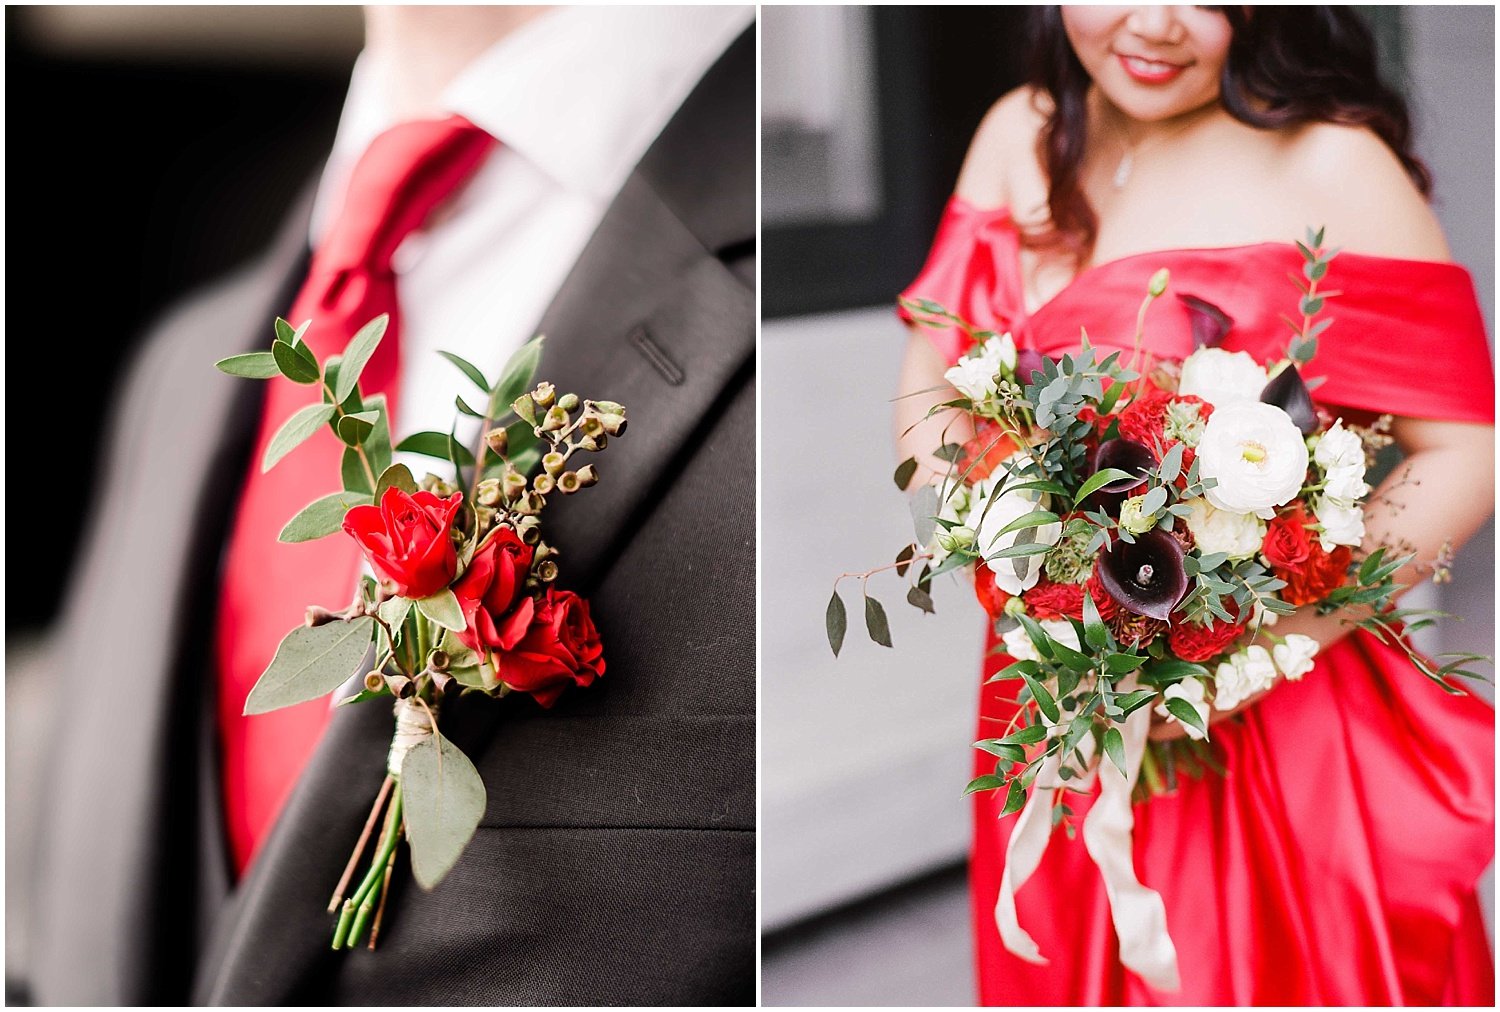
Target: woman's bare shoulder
pixel 1004 146
pixel 1365 198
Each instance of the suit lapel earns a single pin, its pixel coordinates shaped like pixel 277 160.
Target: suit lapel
pixel 651 316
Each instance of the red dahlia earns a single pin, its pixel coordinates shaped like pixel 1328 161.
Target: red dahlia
pixel 1048 600
pixel 1193 642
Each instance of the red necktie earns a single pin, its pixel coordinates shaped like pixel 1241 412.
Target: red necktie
pixel 405 173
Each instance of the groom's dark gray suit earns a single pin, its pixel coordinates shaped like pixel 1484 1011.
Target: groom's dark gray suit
pixel 615 861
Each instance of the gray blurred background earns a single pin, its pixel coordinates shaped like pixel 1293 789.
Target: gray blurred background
pixel 866 115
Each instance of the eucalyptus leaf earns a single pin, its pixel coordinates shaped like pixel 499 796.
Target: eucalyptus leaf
pixel 252 365
pixel 836 622
pixel 1099 479
pixel 919 598
pixel 395 476
pixel 296 362
pixel 311 661
pixel 517 376
pixel 356 428
pixel 1184 711
pixel 468 369
pixel 294 431
pixel 320 518
pixel 924 507
pixel 443 609
pixel 904 471
pixel 433 444
pixel 1114 747
pixel 444 800
pixel 876 623
pixel 357 355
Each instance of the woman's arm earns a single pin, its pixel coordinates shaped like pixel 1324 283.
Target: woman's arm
pixel 917 435
pixel 1431 504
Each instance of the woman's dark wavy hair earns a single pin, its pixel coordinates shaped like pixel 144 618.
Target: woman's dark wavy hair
pixel 1286 65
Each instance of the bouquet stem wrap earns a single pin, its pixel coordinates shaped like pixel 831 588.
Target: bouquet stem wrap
pixel 1139 916
pixel 414 724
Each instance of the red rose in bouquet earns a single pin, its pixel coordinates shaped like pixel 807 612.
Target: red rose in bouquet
pixel 991 597
pixel 559 648
pixel 496 613
pixel 1193 642
pixel 1296 557
pixel 1048 600
pixel 985 452
pixel 408 539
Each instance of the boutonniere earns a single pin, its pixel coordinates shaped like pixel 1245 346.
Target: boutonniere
pixel 463 598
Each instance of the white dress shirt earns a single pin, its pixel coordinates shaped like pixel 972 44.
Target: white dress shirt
pixel 575 98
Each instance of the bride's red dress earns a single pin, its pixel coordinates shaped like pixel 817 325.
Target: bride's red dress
pixel 1336 862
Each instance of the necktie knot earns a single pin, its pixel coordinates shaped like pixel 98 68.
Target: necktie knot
pixel 404 174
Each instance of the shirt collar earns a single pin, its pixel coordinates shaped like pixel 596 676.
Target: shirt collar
pixel 580 92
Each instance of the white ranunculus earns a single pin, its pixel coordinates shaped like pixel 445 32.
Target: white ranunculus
pixel 1346 484
pixel 1338 447
pixel 1295 656
pixel 1342 524
pixel 1190 689
pixel 1255 454
pixel 1237 535
pixel 1019 645
pixel 974 377
pixel 1222 377
pixel 1247 672
pixel 1009 507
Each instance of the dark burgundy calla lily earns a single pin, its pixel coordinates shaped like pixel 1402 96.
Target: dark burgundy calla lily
pixel 1289 393
pixel 1126 455
pixel 1146 577
pixel 1028 361
pixel 1209 322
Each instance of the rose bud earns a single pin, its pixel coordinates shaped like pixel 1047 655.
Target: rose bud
pixel 1146 577
pixel 408 540
pixel 1289 393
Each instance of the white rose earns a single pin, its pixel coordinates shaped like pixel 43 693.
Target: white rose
pixel 1002 351
pixel 1190 689
pixel 1009 507
pixel 1342 524
pixel 1346 484
pixel 1222 377
pixel 1295 656
pixel 1019 645
pixel 1338 447
pixel 1255 454
pixel 974 377
pixel 1237 535
pixel 1247 672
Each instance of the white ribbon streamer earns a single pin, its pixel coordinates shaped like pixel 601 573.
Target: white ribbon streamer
pixel 1139 916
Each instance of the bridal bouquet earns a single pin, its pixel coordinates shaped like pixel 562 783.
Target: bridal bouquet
pixel 463 598
pixel 1134 529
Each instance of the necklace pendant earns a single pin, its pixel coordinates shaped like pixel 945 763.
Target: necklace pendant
pixel 1122 171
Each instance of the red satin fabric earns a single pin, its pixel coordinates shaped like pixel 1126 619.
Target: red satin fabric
pixel 403 176
pixel 1336 862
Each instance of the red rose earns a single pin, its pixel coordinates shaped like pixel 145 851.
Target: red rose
pixel 490 589
pixel 1288 541
pixel 1297 558
pixel 1314 579
pixel 1048 600
pixel 989 440
pixel 1193 642
pixel 991 597
pixel 408 540
pixel 560 647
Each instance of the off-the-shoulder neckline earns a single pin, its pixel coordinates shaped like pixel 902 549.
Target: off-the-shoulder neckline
pixel 1003 212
